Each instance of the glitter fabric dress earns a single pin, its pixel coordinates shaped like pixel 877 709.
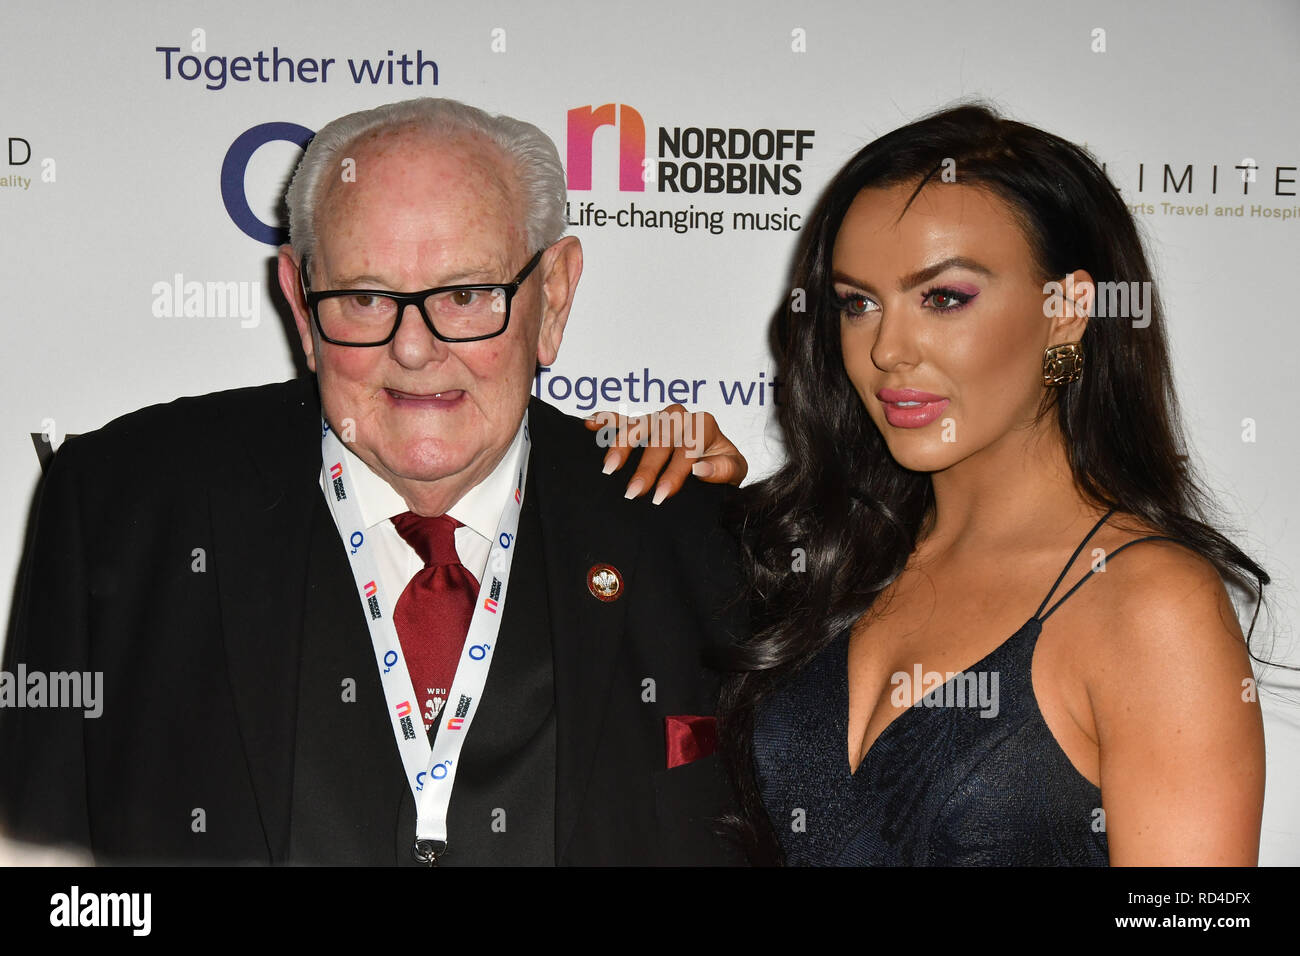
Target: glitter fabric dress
pixel 953 781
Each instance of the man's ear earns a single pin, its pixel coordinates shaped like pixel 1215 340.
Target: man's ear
pixel 561 267
pixel 1070 315
pixel 291 286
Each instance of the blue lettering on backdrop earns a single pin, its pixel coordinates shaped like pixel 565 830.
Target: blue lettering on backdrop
pixel 235 165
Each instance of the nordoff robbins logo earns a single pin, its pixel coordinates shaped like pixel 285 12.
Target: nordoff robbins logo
pixel 954 689
pixel 75 689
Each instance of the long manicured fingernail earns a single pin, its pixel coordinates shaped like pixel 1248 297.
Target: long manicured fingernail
pixel 661 492
pixel 611 464
pixel 702 469
pixel 634 488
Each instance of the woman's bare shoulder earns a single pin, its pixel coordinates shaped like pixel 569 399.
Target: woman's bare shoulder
pixel 1178 725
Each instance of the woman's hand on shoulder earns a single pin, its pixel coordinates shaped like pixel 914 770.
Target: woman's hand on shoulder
pixel 1178 720
pixel 677 443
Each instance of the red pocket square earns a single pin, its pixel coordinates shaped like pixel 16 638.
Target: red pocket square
pixel 689 738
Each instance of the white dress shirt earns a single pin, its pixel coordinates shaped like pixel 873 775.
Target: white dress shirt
pixel 479 511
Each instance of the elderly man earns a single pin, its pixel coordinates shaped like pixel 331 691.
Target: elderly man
pixel 391 613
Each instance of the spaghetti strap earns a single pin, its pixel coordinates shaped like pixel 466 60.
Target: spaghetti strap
pixel 1060 577
pixel 1089 573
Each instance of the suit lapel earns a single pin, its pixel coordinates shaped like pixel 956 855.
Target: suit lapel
pixel 579 528
pixel 261 514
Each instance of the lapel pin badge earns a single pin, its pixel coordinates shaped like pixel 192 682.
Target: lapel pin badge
pixel 604 582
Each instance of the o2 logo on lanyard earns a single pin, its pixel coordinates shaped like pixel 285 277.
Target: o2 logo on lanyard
pixel 438 771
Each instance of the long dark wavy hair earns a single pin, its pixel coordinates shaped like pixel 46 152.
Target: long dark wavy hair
pixel 842 498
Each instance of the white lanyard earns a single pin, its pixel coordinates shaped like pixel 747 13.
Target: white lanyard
pixel 431 772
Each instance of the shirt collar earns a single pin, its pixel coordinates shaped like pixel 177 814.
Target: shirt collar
pixel 479 509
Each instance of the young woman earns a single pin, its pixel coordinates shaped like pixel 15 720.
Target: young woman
pixel 989 620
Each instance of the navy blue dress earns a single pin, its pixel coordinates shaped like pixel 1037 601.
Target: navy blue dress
pixel 970 775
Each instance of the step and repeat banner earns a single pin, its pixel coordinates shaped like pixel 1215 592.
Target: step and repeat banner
pixel 148 145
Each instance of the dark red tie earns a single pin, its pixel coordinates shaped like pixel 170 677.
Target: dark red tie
pixel 433 613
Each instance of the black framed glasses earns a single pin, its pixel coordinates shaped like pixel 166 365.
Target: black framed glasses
pixel 453 313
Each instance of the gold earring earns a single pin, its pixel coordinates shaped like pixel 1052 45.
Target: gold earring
pixel 1062 364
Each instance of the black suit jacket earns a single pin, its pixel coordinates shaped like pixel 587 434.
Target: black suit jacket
pixel 169 551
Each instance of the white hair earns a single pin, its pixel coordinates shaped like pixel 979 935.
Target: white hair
pixel 536 163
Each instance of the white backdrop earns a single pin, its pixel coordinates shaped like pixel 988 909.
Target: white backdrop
pixel 111 189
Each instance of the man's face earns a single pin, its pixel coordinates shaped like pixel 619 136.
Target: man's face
pixel 432 418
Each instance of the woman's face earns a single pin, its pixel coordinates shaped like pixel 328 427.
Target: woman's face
pixel 946 302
